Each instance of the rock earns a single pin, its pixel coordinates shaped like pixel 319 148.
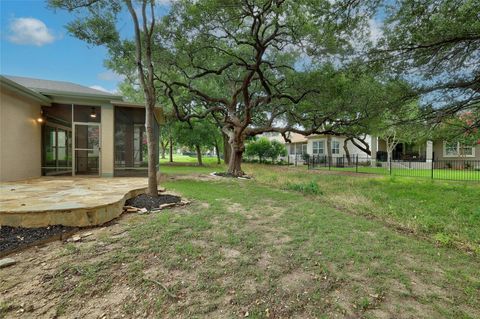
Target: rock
pixel 163 206
pixel 162 190
pixel 142 211
pixel 132 210
pixel 5 262
pixel 76 238
pixel 87 234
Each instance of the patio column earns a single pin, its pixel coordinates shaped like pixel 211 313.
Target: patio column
pixel 373 149
pixel 107 141
pixel 429 152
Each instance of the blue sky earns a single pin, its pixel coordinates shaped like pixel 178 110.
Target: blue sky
pixel 35 43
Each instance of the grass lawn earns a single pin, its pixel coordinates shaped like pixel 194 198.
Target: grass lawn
pixel 445 174
pixel 289 244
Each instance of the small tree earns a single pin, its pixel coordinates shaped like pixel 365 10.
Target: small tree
pixel 260 148
pixel 96 24
pixel 402 124
pixel 276 149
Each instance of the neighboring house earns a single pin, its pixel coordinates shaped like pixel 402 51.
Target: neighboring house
pixel 300 145
pixel 438 150
pixel 50 128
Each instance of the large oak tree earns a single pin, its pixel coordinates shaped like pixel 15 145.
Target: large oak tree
pixel 260 65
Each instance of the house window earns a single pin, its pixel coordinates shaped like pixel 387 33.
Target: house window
pixel 299 149
pixel 335 147
pixel 451 149
pixel 456 149
pixel 318 147
pixel 466 150
pixel 292 149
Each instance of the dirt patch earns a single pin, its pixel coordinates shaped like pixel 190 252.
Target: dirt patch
pixel 151 202
pixel 230 253
pixel 295 281
pixel 13 238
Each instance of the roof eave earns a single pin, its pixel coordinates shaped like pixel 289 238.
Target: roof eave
pixel 107 97
pixel 24 91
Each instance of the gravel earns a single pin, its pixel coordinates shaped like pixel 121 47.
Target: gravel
pixel 150 202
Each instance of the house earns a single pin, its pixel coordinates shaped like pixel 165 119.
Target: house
pixel 316 145
pixel 439 151
pixel 55 128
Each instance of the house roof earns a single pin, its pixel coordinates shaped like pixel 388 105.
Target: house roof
pixel 49 87
pixel 24 91
pixel 297 138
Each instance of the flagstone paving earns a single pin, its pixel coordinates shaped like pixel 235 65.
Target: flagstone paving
pixel 72 201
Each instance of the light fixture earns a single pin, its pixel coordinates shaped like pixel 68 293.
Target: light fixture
pixel 41 118
pixel 93 114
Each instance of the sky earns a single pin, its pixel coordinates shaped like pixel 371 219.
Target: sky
pixel 34 43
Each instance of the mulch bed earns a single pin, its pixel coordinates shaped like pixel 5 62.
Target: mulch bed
pixel 223 174
pixel 13 238
pixel 149 202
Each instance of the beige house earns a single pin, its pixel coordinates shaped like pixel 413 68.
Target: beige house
pixel 438 150
pixel 316 145
pixel 54 128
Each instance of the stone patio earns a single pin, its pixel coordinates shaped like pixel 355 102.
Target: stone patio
pixel 72 201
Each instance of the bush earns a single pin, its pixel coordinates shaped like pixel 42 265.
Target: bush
pixel 263 148
pixel 310 188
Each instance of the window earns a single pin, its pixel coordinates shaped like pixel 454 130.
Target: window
pixel 451 149
pixel 456 149
pixel 335 147
pixel 466 150
pixel 292 149
pixel 318 147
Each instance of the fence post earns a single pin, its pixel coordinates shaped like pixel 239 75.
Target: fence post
pixel 433 164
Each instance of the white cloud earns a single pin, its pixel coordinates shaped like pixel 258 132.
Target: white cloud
pixel 110 76
pixel 101 88
pixel 30 31
pixel 375 29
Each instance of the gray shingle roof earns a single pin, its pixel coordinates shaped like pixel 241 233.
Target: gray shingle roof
pixel 48 86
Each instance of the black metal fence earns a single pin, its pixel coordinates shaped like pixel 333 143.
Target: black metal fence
pixel 455 169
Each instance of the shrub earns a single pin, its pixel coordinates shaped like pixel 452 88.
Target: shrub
pixel 310 188
pixel 263 148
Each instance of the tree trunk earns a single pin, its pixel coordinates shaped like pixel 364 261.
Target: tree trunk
pixel 217 151
pixel 329 150
pixel 199 155
pixel 171 150
pixel 164 149
pixel 152 152
pixel 227 149
pixel 237 147
pixel 347 152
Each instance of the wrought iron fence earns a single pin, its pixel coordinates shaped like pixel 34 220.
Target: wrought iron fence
pixel 454 169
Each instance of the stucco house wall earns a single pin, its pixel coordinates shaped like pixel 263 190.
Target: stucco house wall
pixel 439 152
pixel 353 150
pixel 20 137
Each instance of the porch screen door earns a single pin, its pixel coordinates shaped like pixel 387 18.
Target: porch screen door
pixel 87 148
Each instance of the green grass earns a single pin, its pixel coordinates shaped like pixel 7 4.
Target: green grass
pixel 177 158
pixel 447 212
pixel 251 246
pixel 289 243
pixel 445 174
